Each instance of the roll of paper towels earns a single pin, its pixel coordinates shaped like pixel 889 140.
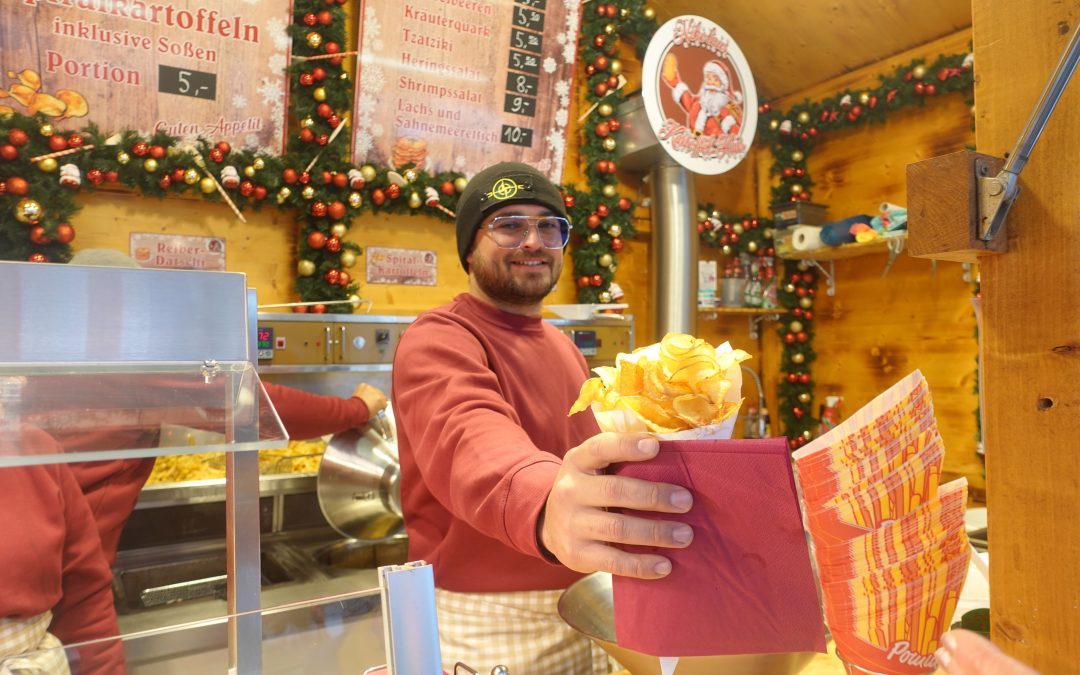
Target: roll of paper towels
pixel 806 238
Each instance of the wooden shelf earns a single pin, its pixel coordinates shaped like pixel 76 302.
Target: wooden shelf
pixel 739 310
pixel 880 245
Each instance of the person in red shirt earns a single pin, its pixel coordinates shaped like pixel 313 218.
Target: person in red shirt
pixel 501 491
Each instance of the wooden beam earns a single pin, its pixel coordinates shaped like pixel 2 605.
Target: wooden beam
pixel 1031 340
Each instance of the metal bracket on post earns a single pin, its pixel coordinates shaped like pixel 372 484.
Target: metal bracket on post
pixel 997 193
pixel 754 320
pixel 829 274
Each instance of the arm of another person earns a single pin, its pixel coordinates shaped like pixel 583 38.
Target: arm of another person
pixel 307 415
pixel 965 653
pixel 477 461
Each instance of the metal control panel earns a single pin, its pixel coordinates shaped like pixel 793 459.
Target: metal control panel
pixel 328 340
pixel 599 340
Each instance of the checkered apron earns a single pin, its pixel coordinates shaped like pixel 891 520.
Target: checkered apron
pixel 27 648
pixel 520 630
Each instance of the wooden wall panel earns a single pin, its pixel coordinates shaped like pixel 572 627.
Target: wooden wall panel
pixel 1031 350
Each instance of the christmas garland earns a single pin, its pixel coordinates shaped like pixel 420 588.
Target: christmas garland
pixel 791 135
pixel 41 168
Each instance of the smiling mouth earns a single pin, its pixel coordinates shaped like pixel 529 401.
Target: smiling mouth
pixel 530 262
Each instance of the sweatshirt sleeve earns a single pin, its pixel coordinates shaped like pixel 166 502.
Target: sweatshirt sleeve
pixel 307 415
pixel 465 439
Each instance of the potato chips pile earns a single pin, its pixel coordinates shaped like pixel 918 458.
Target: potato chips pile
pixel 297 457
pixel 889 540
pixel 680 383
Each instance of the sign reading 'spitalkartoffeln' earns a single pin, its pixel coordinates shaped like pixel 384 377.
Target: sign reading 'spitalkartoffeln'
pixel 212 68
pixel 461 84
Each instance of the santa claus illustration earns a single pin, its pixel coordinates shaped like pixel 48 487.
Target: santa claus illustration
pixel 716 108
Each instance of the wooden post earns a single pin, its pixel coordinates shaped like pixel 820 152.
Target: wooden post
pixel 1031 340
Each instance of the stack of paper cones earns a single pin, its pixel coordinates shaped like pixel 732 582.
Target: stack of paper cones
pixel 889 541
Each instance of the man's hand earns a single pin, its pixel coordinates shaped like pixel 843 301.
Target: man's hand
pixel 579 531
pixel 965 653
pixel 372 397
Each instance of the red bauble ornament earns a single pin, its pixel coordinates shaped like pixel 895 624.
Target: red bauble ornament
pixel 247 188
pixel 331 276
pixel 37 257
pixel 801 336
pixel 601 11
pixel 216 156
pixel 615 125
pixel 304 178
pixel 332 48
pixel 3 188
pixel 38 236
pixel 316 239
pixel 616 244
pixel 800 292
pixel 798 412
pixel 318 309
pixel 325 18
pixel 807 278
pixel 625 204
pixel 333 244
pixel 334 121
pixel 57 143
pixel 602 130
pixel 600 89
pixel 300 309
pixel 327 178
pixel 318 209
pixel 789 338
pixel 593 221
pixel 260 193
pixel 307 135
pixel 318 74
pixel 931 89
pixel 800 172
pixel 599 40
pixel 336 210
pixel 702 226
pixel 224 147
pixel 920 88
pixel 590 70
pixel 612 11
pixel 797 311
pixel 323 139
pixel 792 378
pixel 18 137
pixel 157 152
pixel 795 278
pixel 602 210
pixel 164 182
pixel 601 166
pixel 601 62
pixel 808 315
pixel 597 280
pixel 804 378
pixel 65 234
pixel 613 82
pixel 177 174
pixel 310 19
pixel 343 278
pixel 787 172
pixel 111 176
pixel 17 186
pixel 583 282
pixel 289 176
pixel 393 191
pixel 340 179
pixel 378 197
pixel 324 110
pixel 140 148
pixel 306 79
pixel 8 152
pixel 447 188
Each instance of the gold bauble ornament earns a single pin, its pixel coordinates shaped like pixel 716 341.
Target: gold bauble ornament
pixel 864 98
pixel 46 130
pixel 789 288
pixel 460 182
pixel 48 165
pixel 605 260
pixel 594 237
pixel 715 214
pixel 737 228
pixel 615 230
pixel 249 171
pixel 806 303
pixel 803 265
pixel 28 211
pixel 410 175
pixel 354 298
pixel 259 164
pixel 355 200
pixel 150 165
pixel 122 157
pixel 207 185
pixel 702 215
pixel 726 249
pixel 795 326
pixel 610 29
pixel 283 194
pixel 803 117
pixel 804 397
pixel 774 124
pixel 368 173
pixel 308 192
pixel 191 176
pixel 797 156
pixel 918 72
pixel 609 190
pixel 415 201
pixel 314 40
pixel 604 297
pixel 796 188
pixel 305 268
pixel 807 434
pixel 768 232
pixel 609 144
pixel 338 230
pixel 649 13
pixel 306 123
pixel 605 109
pixel 348 258
pixel 615 67
pixel 319 94
pixel 752 246
pixel 797 358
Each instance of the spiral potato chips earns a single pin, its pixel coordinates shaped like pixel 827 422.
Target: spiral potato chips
pixel 679 383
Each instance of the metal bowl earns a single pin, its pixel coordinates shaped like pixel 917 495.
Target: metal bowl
pixel 359 486
pixel 587 607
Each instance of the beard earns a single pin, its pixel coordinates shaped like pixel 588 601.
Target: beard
pixel 501 280
pixel 712 100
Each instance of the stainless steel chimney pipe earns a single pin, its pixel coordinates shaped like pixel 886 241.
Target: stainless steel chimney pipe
pixel 674 248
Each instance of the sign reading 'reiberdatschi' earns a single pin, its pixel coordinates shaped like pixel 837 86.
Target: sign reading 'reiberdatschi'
pixel 212 68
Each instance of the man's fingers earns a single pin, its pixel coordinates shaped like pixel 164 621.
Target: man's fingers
pixel 598 557
pixel 606 491
pixel 603 450
pixel 618 528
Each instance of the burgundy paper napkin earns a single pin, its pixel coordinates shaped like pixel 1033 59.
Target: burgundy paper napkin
pixel 744 586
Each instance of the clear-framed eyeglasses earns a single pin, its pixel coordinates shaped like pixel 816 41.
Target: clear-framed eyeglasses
pixel 512 231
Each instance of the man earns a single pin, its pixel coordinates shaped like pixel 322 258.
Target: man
pixel 716 108
pixel 502 492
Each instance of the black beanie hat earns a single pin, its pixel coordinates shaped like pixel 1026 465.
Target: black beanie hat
pixel 498 185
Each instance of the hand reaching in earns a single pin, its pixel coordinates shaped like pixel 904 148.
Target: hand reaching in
pixel 371 396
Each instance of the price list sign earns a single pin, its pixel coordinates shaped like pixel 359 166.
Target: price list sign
pixel 190 68
pixel 457 85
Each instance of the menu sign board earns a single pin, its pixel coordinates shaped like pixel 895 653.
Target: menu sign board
pixel 177 251
pixel 456 85
pixel 190 68
pixel 407 266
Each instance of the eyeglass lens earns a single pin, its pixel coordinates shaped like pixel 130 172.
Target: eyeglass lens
pixel 512 231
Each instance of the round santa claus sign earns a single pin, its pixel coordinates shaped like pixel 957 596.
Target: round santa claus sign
pixel 699 95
